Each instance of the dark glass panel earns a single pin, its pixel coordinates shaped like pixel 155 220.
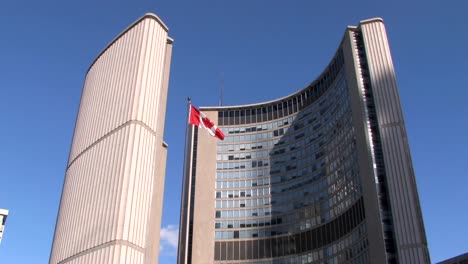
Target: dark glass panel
pixel 255 246
pixel 223 250
pixel 242 117
pixel 297 243
pixel 290 110
pixel 280 110
pixel 270 113
pixel 226 118
pixel 231 118
pixel 275 111
pixel 309 241
pixel 268 250
pixel 220 118
pixel 248 249
pixel 300 102
pixel 236 250
pixel 217 251
pixel 295 104
pixel 261 248
pixel 274 247
pixel 230 250
pixel 285 247
pixel 303 242
pixel 242 253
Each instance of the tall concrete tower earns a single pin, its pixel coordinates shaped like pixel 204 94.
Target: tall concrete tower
pixel 111 205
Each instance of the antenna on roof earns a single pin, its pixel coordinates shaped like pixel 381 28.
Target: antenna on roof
pixel 221 90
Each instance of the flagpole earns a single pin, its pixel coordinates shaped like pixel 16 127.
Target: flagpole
pixel 185 197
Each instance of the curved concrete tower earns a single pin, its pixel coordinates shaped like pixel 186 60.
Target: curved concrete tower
pixel 111 205
pixel 323 175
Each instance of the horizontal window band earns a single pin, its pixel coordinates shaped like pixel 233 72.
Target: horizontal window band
pixel 300 242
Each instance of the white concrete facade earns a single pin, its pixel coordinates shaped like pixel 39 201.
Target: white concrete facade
pixel 111 204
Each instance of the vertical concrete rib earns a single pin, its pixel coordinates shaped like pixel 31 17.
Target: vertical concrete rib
pixel 409 228
pixel 112 193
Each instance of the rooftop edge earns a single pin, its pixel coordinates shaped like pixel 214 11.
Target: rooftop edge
pixel 370 20
pixel 136 22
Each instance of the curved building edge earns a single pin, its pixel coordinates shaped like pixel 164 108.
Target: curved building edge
pixel 284 98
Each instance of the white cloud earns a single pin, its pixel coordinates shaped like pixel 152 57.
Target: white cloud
pixel 169 240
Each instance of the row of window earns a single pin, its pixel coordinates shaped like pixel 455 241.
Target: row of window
pixel 336 193
pixel 302 150
pixel 242 174
pixel 313 123
pixel 277 155
pixel 311 157
pixel 302 187
pixel 306 176
pixel 355 253
pixel 328 207
pixel 311 258
pixel 243 193
pixel 286 121
pixel 313 184
pixel 257 128
pixel 278 225
pixel 277 246
pixel 309 206
pixel 307 155
pixel 305 218
pixel 290 142
pixel 336 159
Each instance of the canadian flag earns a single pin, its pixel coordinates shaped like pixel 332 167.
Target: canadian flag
pixel 199 119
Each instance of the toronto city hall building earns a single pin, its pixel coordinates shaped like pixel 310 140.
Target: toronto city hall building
pixel 111 205
pixel 320 176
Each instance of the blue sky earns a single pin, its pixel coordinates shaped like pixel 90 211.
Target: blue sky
pixel 264 50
